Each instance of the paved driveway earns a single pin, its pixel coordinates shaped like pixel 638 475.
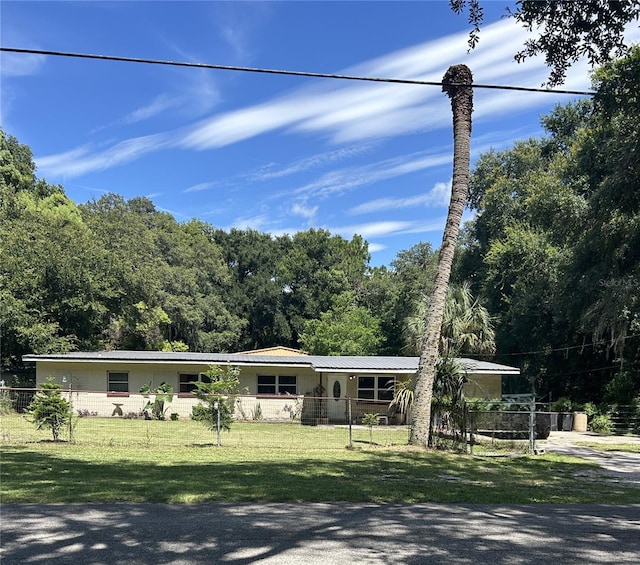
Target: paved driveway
pixel 617 466
pixel 308 534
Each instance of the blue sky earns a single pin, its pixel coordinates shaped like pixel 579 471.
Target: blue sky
pixel 274 153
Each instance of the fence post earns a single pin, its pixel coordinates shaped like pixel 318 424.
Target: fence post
pixel 216 407
pixel 472 425
pixel 70 419
pixel 532 425
pixel 349 418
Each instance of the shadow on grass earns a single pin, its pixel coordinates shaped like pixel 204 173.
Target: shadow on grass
pixel 63 475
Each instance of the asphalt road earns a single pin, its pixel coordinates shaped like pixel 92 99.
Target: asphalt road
pixel 307 534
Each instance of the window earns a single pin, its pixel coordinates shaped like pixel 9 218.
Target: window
pixel 277 384
pixel 187 381
pixel 376 388
pixel 117 382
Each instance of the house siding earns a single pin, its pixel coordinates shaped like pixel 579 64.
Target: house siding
pixel 86 375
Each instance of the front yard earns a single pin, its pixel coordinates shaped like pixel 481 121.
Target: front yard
pixel 150 461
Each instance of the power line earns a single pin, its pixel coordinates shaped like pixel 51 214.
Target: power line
pixel 285 72
pixel 566 348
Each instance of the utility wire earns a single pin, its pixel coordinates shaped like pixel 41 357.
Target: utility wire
pixel 285 72
pixel 555 349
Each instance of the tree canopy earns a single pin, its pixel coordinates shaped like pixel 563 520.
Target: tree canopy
pixel 569 30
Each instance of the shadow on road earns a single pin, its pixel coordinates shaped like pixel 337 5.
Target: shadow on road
pixel 318 533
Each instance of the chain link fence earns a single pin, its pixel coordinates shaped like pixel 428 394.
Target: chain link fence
pixel 289 421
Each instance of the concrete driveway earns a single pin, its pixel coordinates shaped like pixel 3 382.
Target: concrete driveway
pixel 617 466
pixel 309 534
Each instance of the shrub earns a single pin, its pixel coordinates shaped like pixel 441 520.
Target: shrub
pixel 370 419
pixel 6 403
pixel 217 393
pixel 601 424
pixel 256 412
pixel 48 409
pixel 563 404
pixel 590 409
pixel 163 394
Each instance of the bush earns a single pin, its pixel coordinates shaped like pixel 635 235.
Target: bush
pixel 601 424
pixel 563 405
pixel 162 394
pixel 6 403
pixel 199 413
pixel 217 393
pixel 48 409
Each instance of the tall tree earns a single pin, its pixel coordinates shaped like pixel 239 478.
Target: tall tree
pixel 345 329
pixel 315 267
pixel 255 294
pixel 51 298
pixel 457 83
pixel 390 293
pixel 569 30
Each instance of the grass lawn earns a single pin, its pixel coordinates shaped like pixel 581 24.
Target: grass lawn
pixel 621 446
pixel 140 464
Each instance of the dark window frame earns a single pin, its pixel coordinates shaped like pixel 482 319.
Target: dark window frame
pixel 118 383
pixel 376 387
pixel 277 385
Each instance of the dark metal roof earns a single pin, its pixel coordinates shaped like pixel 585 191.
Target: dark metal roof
pixel 355 364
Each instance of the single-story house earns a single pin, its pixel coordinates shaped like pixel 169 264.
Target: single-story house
pixel 279 383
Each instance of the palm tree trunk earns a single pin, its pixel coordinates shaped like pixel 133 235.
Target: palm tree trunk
pixel 457 84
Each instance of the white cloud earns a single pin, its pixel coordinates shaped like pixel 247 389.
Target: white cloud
pixel 199 187
pixel 158 105
pixel 20 64
pixel 374 247
pixel 307 212
pixel 372 229
pixel 271 171
pixel 259 222
pixel 341 180
pixel 353 111
pixel 81 160
pixel 439 195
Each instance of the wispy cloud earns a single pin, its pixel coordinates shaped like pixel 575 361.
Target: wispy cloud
pixel 20 64
pixel 438 196
pixel 357 111
pixel 200 187
pixel 341 180
pixel 375 247
pixel 236 24
pixel 259 222
pixel 82 160
pixel 382 229
pixel 272 171
pixel 307 212
pixel 353 112
pixel 155 107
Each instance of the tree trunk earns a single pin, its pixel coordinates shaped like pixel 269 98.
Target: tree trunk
pixel 457 84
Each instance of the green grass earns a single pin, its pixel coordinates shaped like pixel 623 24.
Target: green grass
pixel 114 432
pixel 178 462
pixel 628 447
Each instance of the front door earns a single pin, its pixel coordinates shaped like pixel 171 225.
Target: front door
pixel 336 401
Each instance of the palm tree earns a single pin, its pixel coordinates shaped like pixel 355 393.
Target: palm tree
pixel 457 83
pixel 467 326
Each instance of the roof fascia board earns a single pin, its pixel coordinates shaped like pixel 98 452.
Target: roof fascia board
pixel 166 362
